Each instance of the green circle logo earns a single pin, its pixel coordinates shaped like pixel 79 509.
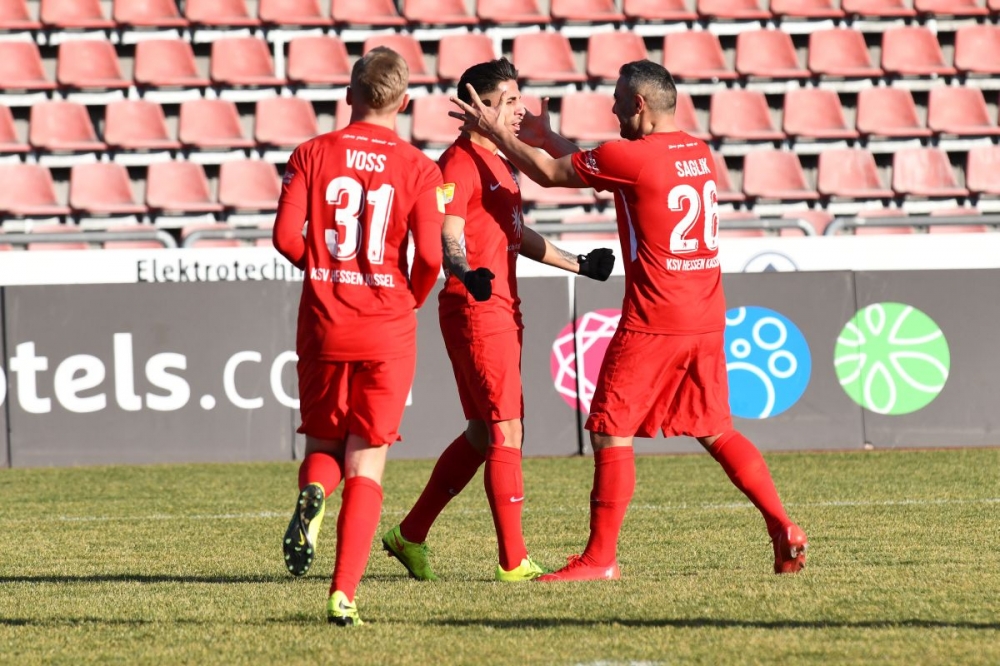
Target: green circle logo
pixel 891 358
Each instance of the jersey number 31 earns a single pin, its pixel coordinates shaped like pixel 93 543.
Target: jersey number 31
pixel 350 197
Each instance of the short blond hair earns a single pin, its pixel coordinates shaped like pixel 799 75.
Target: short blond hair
pixel 379 78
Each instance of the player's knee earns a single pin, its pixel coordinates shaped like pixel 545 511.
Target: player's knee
pixel 334 447
pixel 506 433
pixel 711 440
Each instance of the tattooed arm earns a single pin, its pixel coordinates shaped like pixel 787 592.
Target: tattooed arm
pixel 454 252
pixel 537 248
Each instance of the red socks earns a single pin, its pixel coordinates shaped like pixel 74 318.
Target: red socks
pixel 747 470
pixel 452 472
pixel 614 484
pixel 321 468
pixel 361 507
pixel 505 492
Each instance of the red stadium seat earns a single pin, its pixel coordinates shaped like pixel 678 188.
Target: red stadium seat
pixel 137 124
pixel 960 111
pixel 167 63
pixel 544 57
pixel 366 12
pixel 686 118
pixel 189 229
pixel 768 54
pixel 977 49
pixel 695 55
pixel 815 113
pixel 243 61
pixel 741 115
pixel 841 53
pixel 219 12
pixel 409 48
pixel 148 14
pixel 211 123
pixel 586 117
pixel 511 11
pixel 606 51
pixel 981 169
pixel 431 122
pixel 14 15
pixel 889 112
pixel 179 187
pixel 343 114
pixel 63 127
pixel 660 10
pixel 741 10
pixel 52 232
pixel 456 53
pixel 951 7
pixel 74 14
pixel 249 185
pixel 102 188
pixel 806 9
pixel 292 12
pixel 727 193
pixel 318 60
pixel 819 220
pixel 285 121
pixel 446 12
pixel 9 141
pixel 775 174
pixel 144 229
pixel 89 64
pixel 850 173
pixel 913 51
pixel 586 11
pixel 955 227
pixel 878 8
pixel 533 193
pixel 924 172
pixel 28 191
pixel 21 67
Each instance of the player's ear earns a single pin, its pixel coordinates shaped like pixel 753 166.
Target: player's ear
pixel 403 103
pixel 349 98
pixel 640 103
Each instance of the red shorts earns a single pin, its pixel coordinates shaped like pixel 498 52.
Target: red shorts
pixel 673 383
pixel 488 373
pixel 363 398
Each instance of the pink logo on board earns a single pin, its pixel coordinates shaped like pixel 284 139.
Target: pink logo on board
pixel 593 335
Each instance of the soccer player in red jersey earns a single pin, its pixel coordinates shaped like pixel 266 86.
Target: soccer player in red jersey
pixel 481 323
pixel 362 190
pixel 665 367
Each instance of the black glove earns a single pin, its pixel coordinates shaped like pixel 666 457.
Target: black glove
pixel 479 283
pixel 597 264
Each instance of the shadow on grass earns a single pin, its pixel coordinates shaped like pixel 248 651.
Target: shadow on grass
pixel 151 578
pixel 717 623
pixel 302 619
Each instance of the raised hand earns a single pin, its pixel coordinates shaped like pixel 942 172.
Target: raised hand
pixel 477 117
pixel 597 264
pixel 479 282
pixel 535 129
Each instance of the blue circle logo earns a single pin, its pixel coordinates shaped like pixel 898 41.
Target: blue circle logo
pixel 767 360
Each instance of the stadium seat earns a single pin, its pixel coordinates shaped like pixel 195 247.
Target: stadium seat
pixel 841 53
pixel 249 185
pixel 690 55
pixel 815 113
pixel 179 187
pixel 850 173
pixel 366 12
pixel 913 51
pixel 924 172
pixel 243 61
pixel 102 188
pixel 284 121
pixel 438 12
pixel 14 15
pixel 62 127
pixel 889 112
pixel 727 192
pixel 741 115
pixel 137 124
pixel 970 227
pixel 511 11
pixel 318 60
pixel 977 49
pixel 686 118
pixel 292 12
pixel 775 174
pixel 144 229
pixel 981 169
pixel 89 64
pixel 342 116
pixel 167 63
pixel 606 51
pixel 660 10
pixel 768 54
pixel 87 14
pixel 232 13
pixel 456 53
pixel 431 122
pixel 188 229
pixel 585 11
pixel 148 14
pixel 819 220
pixel 409 48
pixel 880 9
pixel 21 67
pixel 545 57
pixel 28 191
pixel 52 232
pixel 9 141
pixel 806 9
pixel 211 123
pixel 534 194
pixel 936 8
pixel 960 111
pixel 586 118
pixel 737 10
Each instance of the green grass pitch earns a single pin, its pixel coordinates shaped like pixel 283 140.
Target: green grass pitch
pixel 182 564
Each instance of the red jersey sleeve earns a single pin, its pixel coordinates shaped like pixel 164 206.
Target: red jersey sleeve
pixel 608 166
pixel 291 217
pixel 426 218
pixel 461 176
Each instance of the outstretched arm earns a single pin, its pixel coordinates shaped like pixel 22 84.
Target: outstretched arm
pixel 596 264
pixel 537 131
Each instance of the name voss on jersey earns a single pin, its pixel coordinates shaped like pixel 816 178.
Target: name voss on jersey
pixel 365 161
pixel 692 168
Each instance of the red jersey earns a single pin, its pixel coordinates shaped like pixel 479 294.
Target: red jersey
pixel 480 188
pixel 362 190
pixel 668 223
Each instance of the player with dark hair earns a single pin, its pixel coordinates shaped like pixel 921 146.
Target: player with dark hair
pixel 665 368
pixel 480 319
pixel 362 190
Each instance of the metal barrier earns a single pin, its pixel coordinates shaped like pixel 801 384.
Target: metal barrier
pixel 156 235
pixel 841 223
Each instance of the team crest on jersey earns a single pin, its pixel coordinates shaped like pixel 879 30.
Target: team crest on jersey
pixel 517 219
pixel 590 162
pixel 445 194
pixel 288 177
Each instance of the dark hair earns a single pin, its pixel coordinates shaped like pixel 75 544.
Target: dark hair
pixel 485 77
pixel 653 82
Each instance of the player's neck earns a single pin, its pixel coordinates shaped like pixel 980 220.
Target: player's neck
pixel 660 125
pixel 481 140
pixel 387 120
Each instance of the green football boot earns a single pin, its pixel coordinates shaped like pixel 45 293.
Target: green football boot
pixel 528 569
pixel 411 555
pixel 303 530
pixel 341 611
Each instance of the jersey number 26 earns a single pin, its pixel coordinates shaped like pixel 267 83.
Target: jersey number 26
pixel 707 200
pixel 350 197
